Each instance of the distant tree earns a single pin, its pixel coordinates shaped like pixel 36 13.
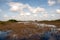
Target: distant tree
pixel 36 20
pixel 57 20
pixel 12 20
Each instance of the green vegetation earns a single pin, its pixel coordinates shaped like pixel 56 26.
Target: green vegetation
pixel 6 22
pixel 12 20
pixel 57 20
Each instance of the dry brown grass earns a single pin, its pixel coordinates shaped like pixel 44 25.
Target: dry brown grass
pixel 25 29
pixel 22 29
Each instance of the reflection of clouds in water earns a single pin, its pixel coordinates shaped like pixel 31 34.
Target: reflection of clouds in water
pixel 45 25
pixel 39 24
pixel 4 35
pixel 14 37
pixel 58 29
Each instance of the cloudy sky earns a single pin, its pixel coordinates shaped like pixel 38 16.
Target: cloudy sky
pixel 29 9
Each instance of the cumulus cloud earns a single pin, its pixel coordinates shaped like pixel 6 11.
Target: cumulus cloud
pixel 25 14
pixel 38 10
pixel 14 6
pixel 58 11
pixel 25 10
pixel 5 16
pixel 45 15
pixel 51 2
pixel 19 7
pixel 35 15
pixel 53 15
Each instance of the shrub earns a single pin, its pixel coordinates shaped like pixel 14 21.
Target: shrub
pixel 12 20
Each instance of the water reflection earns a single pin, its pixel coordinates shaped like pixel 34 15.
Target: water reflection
pixel 4 34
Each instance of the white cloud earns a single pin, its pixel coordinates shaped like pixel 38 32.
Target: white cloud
pixel 22 14
pixel 45 15
pixel 38 10
pixel 28 13
pixel 35 15
pixel 31 13
pixel 15 6
pixel 5 16
pixel 58 11
pixel 51 2
pixel 53 15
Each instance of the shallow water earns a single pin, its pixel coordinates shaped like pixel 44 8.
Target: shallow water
pixel 4 35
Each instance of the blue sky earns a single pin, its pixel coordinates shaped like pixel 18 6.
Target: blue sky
pixel 29 9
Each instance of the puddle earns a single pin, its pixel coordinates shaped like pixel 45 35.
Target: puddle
pixel 4 34
pixel 44 25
